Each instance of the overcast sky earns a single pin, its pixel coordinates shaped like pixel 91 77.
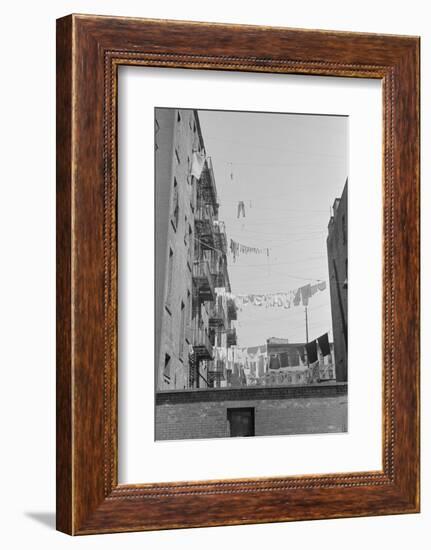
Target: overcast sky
pixel 288 169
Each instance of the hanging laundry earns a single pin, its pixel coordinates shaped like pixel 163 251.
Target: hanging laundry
pixel 234 248
pixel 321 285
pixel 324 344
pixel 305 294
pixel 198 161
pixel 284 359
pixel 238 248
pixel 284 300
pixel 301 354
pixel 274 362
pixel 241 209
pixel 314 289
pixel 311 348
pixel 297 298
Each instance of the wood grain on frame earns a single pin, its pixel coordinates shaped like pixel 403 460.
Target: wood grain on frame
pixel 89 51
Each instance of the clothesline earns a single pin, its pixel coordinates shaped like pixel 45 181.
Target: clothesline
pixel 281 359
pixel 262 265
pixel 237 248
pixel 291 326
pixel 287 275
pixel 307 259
pixel 286 300
pixel 276 234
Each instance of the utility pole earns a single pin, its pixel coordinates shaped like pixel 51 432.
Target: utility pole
pixel 306 333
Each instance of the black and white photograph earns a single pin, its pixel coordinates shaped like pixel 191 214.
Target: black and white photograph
pixel 251 271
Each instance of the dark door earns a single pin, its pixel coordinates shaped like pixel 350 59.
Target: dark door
pixel 241 422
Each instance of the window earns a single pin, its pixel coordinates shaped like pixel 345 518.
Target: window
pixel 182 329
pixel 167 368
pixel 193 191
pixel 177 156
pixel 170 272
pixel 175 206
pixel 190 243
pixel 189 316
pixel 178 116
pixel 156 129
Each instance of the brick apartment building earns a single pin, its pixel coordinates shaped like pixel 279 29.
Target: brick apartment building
pixel 337 263
pixel 194 312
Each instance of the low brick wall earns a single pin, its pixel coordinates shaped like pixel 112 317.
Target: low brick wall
pixel 200 414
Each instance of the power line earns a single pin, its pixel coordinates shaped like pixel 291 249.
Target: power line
pixel 302 233
pixel 279 317
pixel 311 258
pixel 274 148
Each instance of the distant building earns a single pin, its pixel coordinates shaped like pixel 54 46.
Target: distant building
pixel 194 312
pixel 288 364
pixel 338 269
pixel 291 352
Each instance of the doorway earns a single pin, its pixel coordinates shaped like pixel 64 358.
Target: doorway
pixel 241 422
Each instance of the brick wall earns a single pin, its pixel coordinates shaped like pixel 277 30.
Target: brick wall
pixel 277 411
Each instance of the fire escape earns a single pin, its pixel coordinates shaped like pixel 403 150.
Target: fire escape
pixel 202 272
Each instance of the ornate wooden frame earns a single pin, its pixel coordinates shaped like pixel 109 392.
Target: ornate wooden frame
pixel 89 51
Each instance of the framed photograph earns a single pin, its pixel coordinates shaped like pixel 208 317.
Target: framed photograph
pixel 237 274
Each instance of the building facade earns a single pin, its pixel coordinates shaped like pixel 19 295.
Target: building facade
pixel 288 364
pixel 337 247
pixel 194 314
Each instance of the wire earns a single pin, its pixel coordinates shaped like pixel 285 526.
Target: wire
pixel 304 233
pixel 311 258
pixel 305 162
pixel 273 148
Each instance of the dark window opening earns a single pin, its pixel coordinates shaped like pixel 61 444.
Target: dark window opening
pixel 182 330
pixel 170 274
pixel 188 317
pixel 241 422
pixel 167 368
pixel 189 246
pixel 176 207
pixel 156 129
